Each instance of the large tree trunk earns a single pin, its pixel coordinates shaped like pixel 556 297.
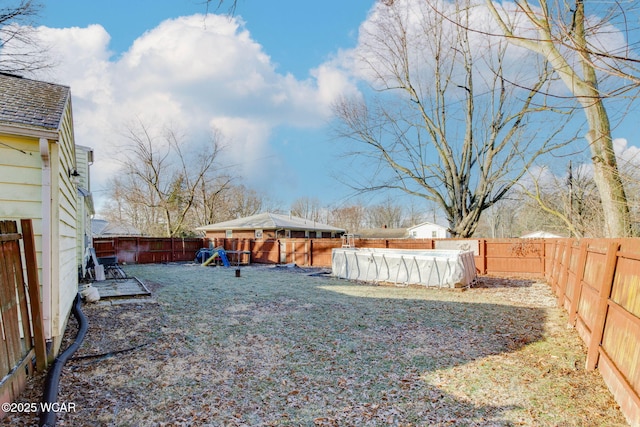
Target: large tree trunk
pixel 585 88
pixel 605 172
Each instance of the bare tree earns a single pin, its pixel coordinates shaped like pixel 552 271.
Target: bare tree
pixel 446 124
pixel 239 201
pixel 20 49
pixel 233 4
pixel 161 185
pixel 387 214
pixel 569 202
pixel 575 45
pixel 352 218
pixel 308 208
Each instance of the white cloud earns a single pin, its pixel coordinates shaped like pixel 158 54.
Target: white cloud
pixel 196 72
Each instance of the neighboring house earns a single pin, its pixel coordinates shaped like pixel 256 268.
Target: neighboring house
pixel 267 226
pixel 86 210
pixel 428 230
pixel 38 168
pixel 104 228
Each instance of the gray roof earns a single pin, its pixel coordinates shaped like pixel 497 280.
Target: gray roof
pixel 32 103
pixel 101 227
pixel 382 233
pixel 270 221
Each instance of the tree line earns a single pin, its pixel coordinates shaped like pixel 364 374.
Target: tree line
pixel 466 107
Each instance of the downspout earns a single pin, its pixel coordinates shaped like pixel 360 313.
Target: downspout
pixel 50 395
pixel 46 237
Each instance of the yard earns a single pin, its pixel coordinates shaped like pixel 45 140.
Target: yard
pixel 285 346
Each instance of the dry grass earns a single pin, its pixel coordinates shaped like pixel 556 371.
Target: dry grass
pixel 278 347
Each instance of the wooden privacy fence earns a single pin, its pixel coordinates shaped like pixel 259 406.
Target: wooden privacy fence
pixel 149 250
pixel 598 282
pixel 21 313
pixel 492 256
pixel 522 257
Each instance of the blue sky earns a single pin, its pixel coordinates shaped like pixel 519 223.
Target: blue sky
pixel 266 78
pixel 296 36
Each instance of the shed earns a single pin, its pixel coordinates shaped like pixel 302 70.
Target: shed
pixel 267 225
pixel 428 230
pixel 39 176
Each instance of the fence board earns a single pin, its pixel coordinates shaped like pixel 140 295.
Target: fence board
pixel 622 329
pixel 626 286
pixel 34 294
pixel 17 332
pixel 604 292
pixel 10 304
pixel 606 275
pixel 146 250
pixel 595 282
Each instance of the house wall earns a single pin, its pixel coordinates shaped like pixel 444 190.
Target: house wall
pixel 21 184
pixel 266 234
pixel 21 196
pixel 427 231
pixel 84 207
pixel 64 204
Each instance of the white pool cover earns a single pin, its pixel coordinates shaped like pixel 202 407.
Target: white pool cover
pixel 436 268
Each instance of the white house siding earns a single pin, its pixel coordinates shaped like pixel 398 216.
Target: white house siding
pixel 85 204
pixel 21 184
pixel 64 228
pixel 37 149
pixel 428 230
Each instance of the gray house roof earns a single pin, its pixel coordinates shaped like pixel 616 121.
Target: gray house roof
pixel 31 103
pixel 382 233
pixel 270 221
pixel 102 228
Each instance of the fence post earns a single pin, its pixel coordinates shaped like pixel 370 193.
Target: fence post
pixel 483 255
pixel 557 263
pixel 279 251
pixel 543 256
pixel 602 306
pixel 34 294
pixel 561 289
pixel 581 265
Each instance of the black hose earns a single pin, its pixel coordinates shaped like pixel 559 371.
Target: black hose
pixel 50 396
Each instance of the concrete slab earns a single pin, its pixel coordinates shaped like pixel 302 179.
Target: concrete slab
pixel 130 287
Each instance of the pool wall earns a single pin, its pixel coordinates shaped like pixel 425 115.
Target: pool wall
pixel 433 268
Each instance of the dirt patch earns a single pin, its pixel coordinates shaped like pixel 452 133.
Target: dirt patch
pixel 294 347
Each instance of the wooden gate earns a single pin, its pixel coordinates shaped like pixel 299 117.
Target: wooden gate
pixel 20 311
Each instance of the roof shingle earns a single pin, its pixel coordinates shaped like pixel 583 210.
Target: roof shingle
pixel 31 102
pixel 270 221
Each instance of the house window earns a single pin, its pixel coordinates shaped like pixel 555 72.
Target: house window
pixel 258 234
pixel 414 233
pixel 318 234
pixel 228 234
pixel 434 233
pixel 287 234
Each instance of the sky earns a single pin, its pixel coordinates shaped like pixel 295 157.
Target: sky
pixel 261 77
pixel 265 77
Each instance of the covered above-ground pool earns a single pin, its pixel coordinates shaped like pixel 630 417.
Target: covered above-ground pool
pixel 435 268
